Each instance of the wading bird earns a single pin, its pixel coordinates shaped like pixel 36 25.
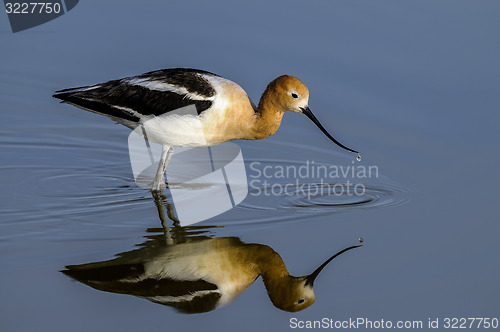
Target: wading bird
pixel 224 110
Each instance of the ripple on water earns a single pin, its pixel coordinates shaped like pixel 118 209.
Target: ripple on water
pixel 53 182
pixel 271 210
pixel 276 199
pixel 104 186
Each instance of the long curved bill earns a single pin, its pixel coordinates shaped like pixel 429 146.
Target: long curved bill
pixel 310 115
pixel 310 278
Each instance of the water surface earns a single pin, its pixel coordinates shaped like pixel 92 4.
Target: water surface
pixel 413 86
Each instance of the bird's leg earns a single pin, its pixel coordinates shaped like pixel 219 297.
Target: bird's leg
pixel 160 201
pixel 166 155
pixel 171 215
pixel 159 198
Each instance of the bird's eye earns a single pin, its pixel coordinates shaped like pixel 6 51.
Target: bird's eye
pixel 301 301
pixel 294 95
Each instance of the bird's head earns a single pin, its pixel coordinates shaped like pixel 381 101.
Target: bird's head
pixel 288 93
pixel 297 293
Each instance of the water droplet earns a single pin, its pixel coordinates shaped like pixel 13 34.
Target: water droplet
pixel 361 240
pixel 358 158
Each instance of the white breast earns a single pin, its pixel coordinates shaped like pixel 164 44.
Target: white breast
pixel 185 128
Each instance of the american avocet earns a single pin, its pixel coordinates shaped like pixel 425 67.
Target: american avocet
pixel 225 112
pixel 200 276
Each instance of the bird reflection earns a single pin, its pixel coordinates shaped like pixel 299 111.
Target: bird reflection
pixel 197 273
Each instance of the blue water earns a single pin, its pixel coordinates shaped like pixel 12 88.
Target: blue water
pixel 413 86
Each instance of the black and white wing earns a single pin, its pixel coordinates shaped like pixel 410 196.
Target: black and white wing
pixel 189 296
pixel 132 99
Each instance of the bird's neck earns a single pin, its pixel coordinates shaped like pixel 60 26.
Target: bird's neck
pixel 277 280
pixel 267 118
pixel 270 265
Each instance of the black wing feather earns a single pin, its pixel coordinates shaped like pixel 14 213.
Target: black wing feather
pixel 185 77
pixel 199 304
pixel 117 279
pixel 107 98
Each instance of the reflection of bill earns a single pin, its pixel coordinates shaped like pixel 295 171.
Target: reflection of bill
pixel 203 182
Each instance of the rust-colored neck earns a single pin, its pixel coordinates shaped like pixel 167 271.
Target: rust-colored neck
pixel 270 265
pixel 269 114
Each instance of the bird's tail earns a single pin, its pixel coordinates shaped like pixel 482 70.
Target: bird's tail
pixel 92 98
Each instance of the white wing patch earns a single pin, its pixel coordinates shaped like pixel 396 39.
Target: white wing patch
pixel 182 298
pixel 85 88
pixel 129 110
pixel 163 86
